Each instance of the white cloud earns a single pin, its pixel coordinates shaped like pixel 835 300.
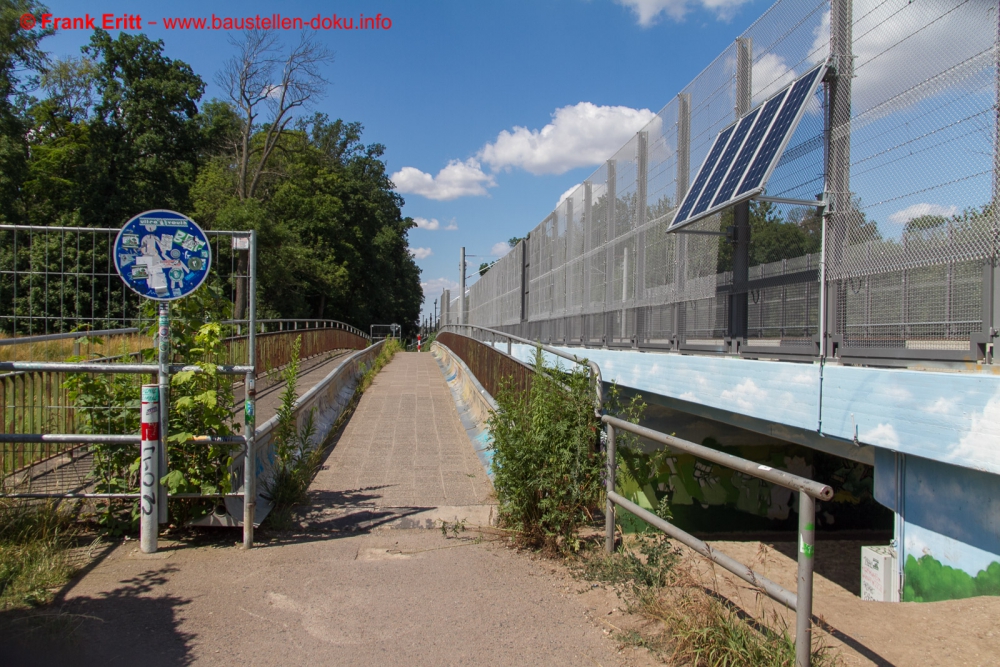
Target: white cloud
pixel 746 396
pixel 770 74
pixel 421 253
pixel 578 136
pixel 564 196
pixel 980 446
pixel 500 249
pixel 688 396
pixel 458 179
pixel 942 406
pixel 451 226
pixel 433 287
pixel 897 393
pixel 424 223
pixel 919 210
pixel 648 11
pixel 883 435
pixel 886 65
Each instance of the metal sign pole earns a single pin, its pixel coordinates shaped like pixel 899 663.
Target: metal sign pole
pixel 149 468
pixel 163 340
pixel 250 406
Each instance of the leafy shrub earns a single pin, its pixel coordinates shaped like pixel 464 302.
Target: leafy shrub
pixel 547 470
pixel 200 404
pixel 296 456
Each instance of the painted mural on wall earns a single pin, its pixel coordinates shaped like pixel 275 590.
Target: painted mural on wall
pixel 948 417
pixel 702 496
pixel 966 571
pixel 950 531
pixel 945 425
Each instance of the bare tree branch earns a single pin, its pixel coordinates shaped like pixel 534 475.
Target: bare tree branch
pixel 267 88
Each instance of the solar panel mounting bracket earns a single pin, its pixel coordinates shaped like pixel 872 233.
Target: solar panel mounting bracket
pixel 810 203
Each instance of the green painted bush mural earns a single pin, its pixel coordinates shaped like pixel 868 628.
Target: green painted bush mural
pixel 928 580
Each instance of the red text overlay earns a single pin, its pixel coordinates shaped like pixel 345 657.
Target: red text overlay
pixel 213 22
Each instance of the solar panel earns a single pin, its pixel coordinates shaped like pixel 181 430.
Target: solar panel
pixel 742 130
pixel 704 172
pixel 749 149
pixel 745 153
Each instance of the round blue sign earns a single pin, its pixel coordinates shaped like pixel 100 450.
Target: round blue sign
pixel 162 255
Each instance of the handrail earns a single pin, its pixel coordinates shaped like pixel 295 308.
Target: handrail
pixel 24 340
pixel 147 369
pixel 339 325
pixel 779 477
pixel 595 370
pixel 809 490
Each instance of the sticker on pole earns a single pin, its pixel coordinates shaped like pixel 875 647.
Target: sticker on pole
pixel 162 255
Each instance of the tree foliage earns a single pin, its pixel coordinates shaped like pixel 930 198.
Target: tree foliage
pixel 122 129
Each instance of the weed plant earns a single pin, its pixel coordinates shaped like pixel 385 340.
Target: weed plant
pixel 546 463
pixel 385 355
pixel 200 404
pixel 297 456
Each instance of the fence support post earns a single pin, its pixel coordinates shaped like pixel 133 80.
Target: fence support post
pixel 149 468
pixel 804 591
pixel 250 407
pixel 609 481
pixel 163 336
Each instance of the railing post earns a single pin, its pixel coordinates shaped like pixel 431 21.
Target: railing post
pixel 609 508
pixel 804 591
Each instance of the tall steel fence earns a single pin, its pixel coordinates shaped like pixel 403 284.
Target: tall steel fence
pixel 901 140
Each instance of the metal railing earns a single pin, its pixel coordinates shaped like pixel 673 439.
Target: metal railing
pixel 32 399
pixel 494 336
pixel 800 601
pixel 809 491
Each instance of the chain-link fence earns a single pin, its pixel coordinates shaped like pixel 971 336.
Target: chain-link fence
pixel 902 141
pixel 66 320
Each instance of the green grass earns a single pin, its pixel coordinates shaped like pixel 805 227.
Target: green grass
pixel 34 562
pixel 692 627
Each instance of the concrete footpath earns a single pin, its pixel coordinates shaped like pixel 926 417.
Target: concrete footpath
pixel 354 584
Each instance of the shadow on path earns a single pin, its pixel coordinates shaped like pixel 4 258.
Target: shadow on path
pixel 128 625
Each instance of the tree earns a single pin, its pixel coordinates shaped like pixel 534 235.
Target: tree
pixel 259 81
pixel 485 266
pixel 21 62
pixel 326 212
pixel 145 139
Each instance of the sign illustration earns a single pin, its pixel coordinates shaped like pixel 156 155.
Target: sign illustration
pixel 162 255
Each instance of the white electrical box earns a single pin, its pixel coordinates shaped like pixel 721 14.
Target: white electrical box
pixel 878 574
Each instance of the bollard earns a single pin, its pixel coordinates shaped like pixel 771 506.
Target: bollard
pixel 149 468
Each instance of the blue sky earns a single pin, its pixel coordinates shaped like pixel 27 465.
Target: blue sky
pixel 441 85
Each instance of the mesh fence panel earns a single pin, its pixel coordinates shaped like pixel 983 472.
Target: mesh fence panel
pixel 903 139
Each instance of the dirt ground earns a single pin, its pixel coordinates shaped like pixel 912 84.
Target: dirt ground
pixel 955 632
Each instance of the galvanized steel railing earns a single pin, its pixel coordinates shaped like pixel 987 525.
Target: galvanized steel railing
pixel 800 601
